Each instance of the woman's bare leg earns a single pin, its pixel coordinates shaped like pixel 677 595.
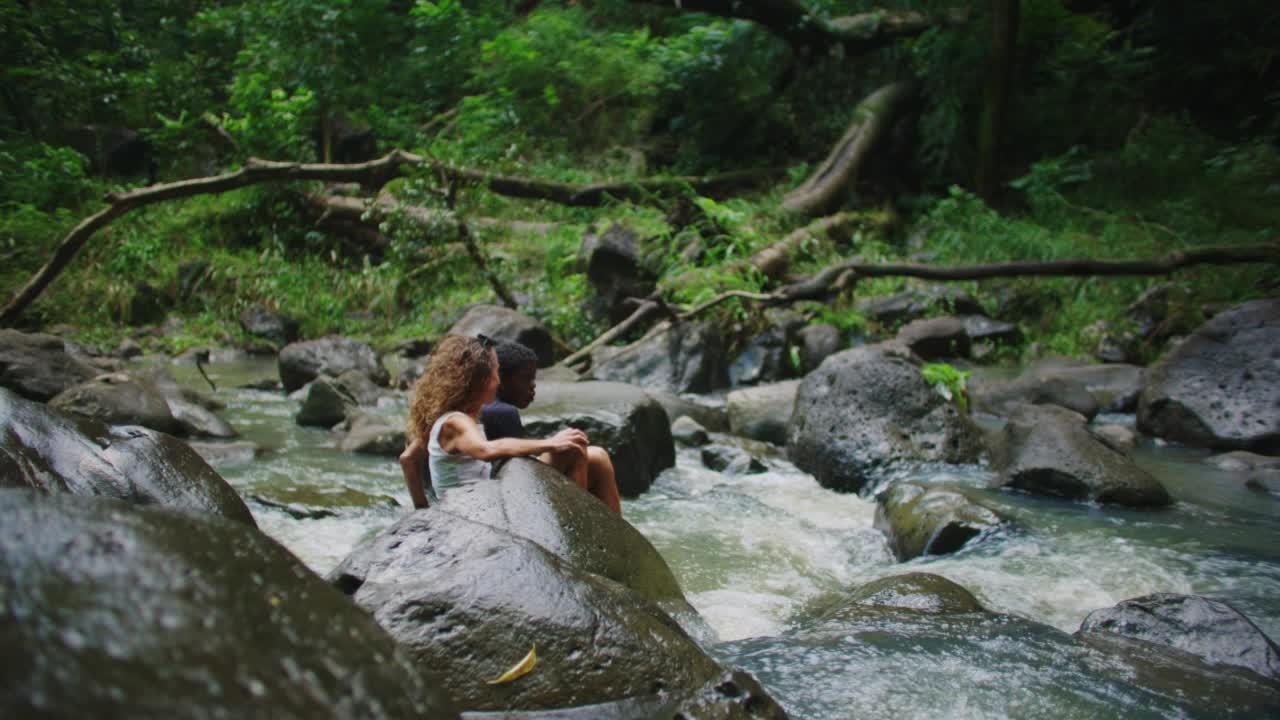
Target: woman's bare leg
pixel 600 478
pixel 573 463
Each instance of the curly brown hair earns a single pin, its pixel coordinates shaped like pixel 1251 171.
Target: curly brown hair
pixel 455 373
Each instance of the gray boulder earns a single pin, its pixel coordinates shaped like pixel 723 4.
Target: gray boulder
pixel 686 431
pixel 684 358
pixel 1220 388
pixel 916 592
pixel 1211 630
pixel 925 520
pixel 620 418
pixel 936 338
pixel 502 323
pixel 1081 387
pixel 52 453
pixel 709 411
pixel 226 454
pixel 817 342
pixel 867 408
pixel 982 329
pixel 38 366
pixel 731 460
pixel 1047 450
pixel 302 362
pixel 891 310
pixel 468 599
pixel 762 412
pixel 1117 437
pixel 611 261
pixel 118 399
pixel 116 610
pixel 369 434
pixel 765 358
pixel 326 403
pixel 194 411
pixel 279 328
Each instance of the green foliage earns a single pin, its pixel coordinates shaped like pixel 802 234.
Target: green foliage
pixel 269 121
pixel 42 175
pixel 950 383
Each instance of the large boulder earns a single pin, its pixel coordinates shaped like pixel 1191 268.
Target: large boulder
pixel 262 322
pixel 302 362
pixel 468 599
pixel 1085 388
pixel 502 323
pixel 618 417
pixel 38 366
pixel 1047 450
pixel 684 358
pixel 611 261
pixel 56 454
pixel 326 403
pixel 121 611
pixel 1221 387
pixel 1210 629
pixel 762 412
pixel 766 358
pixel 817 342
pixel 924 520
pixel 531 500
pixel 936 338
pixel 369 434
pixel 916 592
pixel 118 399
pixel 194 411
pixel 867 408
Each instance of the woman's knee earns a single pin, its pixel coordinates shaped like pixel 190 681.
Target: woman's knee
pixel 599 457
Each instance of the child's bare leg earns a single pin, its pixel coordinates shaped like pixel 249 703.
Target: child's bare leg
pixel 600 478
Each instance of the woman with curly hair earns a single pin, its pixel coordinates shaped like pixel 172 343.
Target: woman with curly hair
pixel 461 377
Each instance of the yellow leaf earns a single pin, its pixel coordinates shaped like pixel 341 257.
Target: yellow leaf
pixel 519 669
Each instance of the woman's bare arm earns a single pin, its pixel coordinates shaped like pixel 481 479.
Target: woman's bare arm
pixel 412 463
pixel 461 434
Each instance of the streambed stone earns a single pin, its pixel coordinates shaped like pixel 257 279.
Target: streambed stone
pixel 620 418
pixel 762 412
pixel 684 358
pixel 116 610
pixel 1210 629
pixel 865 409
pixel 922 520
pixel 1046 450
pixel 38 366
pixel 502 323
pixel 56 454
pixel 468 600
pixel 301 362
pixel 1221 387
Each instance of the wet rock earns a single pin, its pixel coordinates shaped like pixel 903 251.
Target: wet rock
pixel 309 502
pixel 1220 388
pixel 1211 630
pixel 262 322
pixel 1046 450
pixel 1086 389
pixel 709 411
pixel 1239 461
pixel 369 434
pixel 731 460
pixel 620 418
pixel 530 500
pixel 936 338
pixel 360 386
pixel 325 404
pixel 817 342
pixel 686 431
pixel 766 358
pixel 302 362
pixel 867 408
pixel 199 618
pixel 57 454
pixel 611 261
pixel 923 520
pixel 916 592
pixel 685 358
pixel 1117 437
pixel 38 366
pixel 982 329
pixel 468 600
pixel 762 412
pixel 118 399
pixel 502 323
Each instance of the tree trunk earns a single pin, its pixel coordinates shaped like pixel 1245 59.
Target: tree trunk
pixel 1002 32
pixel 871 119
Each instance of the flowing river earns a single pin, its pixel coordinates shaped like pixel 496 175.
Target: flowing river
pixel 760 555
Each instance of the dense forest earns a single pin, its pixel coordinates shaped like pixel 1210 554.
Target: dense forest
pixel 827 131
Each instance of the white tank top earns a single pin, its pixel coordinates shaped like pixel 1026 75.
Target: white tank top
pixel 450 470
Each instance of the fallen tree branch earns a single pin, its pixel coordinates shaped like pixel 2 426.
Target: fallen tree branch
pixel 837 278
pixel 774 260
pixel 374 174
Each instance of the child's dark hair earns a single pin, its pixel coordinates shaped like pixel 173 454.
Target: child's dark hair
pixel 513 356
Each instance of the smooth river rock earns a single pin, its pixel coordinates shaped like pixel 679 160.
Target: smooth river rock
pixel 50 452
pixel 923 520
pixel 501 323
pixel 865 409
pixel 1047 450
pixel 686 358
pixel 113 610
pixel 302 362
pixel 37 366
pixel 620 418
pixel 763 412
pixel 1221 387
pixel 468 600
